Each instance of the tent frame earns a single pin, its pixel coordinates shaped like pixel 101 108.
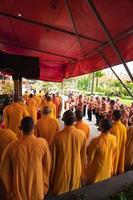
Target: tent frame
pixel 108 35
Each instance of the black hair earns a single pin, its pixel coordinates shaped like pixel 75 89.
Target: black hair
pixel 112 102
pixel 27 125
pixel 69 118
pixel 117 114
pixel 31 95
pixel 79 115
pixel 105 125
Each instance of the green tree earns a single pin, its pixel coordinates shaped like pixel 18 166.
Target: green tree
pixel 97 75
pixel 84 83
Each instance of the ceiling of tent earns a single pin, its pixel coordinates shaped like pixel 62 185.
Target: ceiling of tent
pixel 44 29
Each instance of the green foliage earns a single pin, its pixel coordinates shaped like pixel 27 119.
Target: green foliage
pixel 84 83
pixel 126 194
pixel 80 197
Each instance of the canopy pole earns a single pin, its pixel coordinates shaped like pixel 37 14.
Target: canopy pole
pixel 74 25
pixel 106 60
pixel 17 85
pixel 111 41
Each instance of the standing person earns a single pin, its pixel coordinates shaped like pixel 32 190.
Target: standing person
pixel 85 105
pixel 6 136
pixel 103 109
pixel 68 157
pixel 81 124
pixel 60 104
pixel 100 154
pixel 57 103
pixel 97 110
pixel 129 147
pixel 25 165
pixel 80 103
pixel 13 114
pixel 90 109
pixel 119 130
pixel 32 107
pixel 51 105
pixel 47 126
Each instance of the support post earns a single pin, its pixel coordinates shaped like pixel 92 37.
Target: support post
pixel 106 60
pixel 17 85
pixel 110 39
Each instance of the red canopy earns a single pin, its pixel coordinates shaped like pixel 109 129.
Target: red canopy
pixel 44 29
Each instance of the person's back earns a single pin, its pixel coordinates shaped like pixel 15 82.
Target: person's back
pixel 129 148
pixel 100 155
pixel 32 108
pixel 51 105
pixel 13 114
pixel 6 137
pixel 119 130
pixel 81 124
pixel 25 167
pixel 47 126
pixel 68 157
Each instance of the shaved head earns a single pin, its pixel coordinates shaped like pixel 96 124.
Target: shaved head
pixel 46 110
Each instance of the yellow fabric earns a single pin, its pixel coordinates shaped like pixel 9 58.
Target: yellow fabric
pixel 43 103
pixel 32 108
pixel 119 130
pixel 13 114
pixel 68 157
pixel 52 106
pixel 100 158
pixel 82 125
pixel 6 136
pixel 25 168
pixel 46 127
pixel 129 149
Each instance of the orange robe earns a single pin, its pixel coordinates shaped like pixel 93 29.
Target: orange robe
pixel 25 168
pixel 119 130
pixel 6 136
pixel 129 149
pixel 13 114
pixel 82 125
pixel 68 158
pixel 52 107
pixel 32 108
pixel 46 127
pixel 57 103
pixel 100 158
pixel 60 105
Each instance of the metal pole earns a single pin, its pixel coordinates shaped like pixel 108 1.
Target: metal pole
pixel 111 41
pixel 106 60
pixel 74 26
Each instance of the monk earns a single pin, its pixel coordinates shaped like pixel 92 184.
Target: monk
pixel 57 103
pixel 51 105
pixel 25 165
pixel 60 104
pixel 13 114
pixel 100 154
pixel 81 124
pixel 129 147
pixel 68 157
pixel 6 136
pixel 47 126
pixel 119 130
pixel 32 107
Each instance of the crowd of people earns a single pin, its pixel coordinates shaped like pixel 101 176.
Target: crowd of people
pixel 38 156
